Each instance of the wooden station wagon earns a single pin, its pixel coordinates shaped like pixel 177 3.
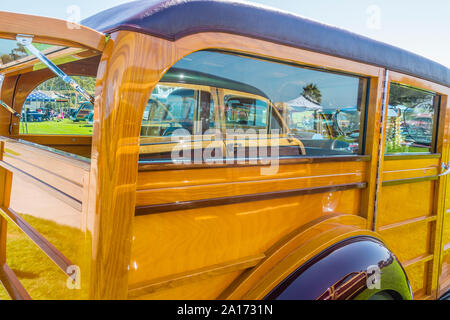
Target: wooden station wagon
pixel 235 152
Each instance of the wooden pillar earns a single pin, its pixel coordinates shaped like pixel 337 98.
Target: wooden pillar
pixel 373 136
pixel 128 71
pixel 5 189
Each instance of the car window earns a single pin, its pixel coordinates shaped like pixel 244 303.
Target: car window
pixel 312 112
pixel 55 108
pixel 410 120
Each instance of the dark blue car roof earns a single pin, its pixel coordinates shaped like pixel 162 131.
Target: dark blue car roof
pixel 174 19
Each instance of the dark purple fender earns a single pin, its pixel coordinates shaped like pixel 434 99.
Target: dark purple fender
pixel 344 271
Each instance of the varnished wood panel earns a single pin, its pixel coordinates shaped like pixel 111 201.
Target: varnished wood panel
pixel 177 186
pixel 409 241
pixel 116 176
pixel 372 147
pixel 60 172
pixel 418 83
pixel 444 279
pixel 179 280
pixel 413 196
pixel 417 276
pixel 209 236
pixel 407 169
pixel 404 202
pixel 74 144
pixel 49 30
pixel 130 67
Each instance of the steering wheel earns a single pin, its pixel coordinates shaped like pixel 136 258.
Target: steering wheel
pixel 333 145
pixel 342 131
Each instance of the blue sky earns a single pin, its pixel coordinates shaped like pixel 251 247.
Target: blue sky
pixel 420 26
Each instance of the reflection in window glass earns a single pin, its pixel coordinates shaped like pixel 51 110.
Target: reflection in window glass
pixel 170 108
pixel 244 112
pixel 410 121
pixel 55 108
pixel 317 113
pixel 11 51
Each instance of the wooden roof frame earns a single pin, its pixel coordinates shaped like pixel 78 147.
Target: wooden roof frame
pixel 50 31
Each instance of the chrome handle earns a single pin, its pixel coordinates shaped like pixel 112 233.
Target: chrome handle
pixel 446 169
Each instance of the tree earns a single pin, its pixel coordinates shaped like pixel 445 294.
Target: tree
pixel 312 93
pixel 6 58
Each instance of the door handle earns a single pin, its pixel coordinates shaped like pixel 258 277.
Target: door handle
pixel 445 169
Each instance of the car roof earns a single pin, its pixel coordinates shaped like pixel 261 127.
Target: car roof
pixel 174 19
pixel 178 75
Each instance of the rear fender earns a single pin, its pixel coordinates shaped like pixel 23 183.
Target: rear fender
pixel 320 261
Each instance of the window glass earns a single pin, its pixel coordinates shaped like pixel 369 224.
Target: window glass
pixel 170 108
pixel 244 112
pixel 410 120
pixel 312 112
pixel 54 108
pixel 11 51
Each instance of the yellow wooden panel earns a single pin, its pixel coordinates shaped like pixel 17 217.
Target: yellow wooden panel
pixel 409 164
pixel 404 202
pixel 444 280
pixel 177 242
pixel 417 278
pixel 194 177
pixel 408 241
pixel 207 289
pixel 186 185
pixel 446 231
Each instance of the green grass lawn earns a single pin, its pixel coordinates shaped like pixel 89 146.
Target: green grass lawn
pixel 41 278
pixel 407 149
pixel 65 126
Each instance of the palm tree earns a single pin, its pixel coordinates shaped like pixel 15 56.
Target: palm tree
pixel 312 93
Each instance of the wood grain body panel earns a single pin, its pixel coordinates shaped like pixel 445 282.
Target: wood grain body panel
pixel 201 184
pixel 443 246
pixel 400 240
pixel 214 235
pixel 444 277
pixel 130 67
pixel 62 173
pixel 179 280
pixel 121 143
pixel 146 167
pixel 372 147
pixel 49 30
pixel 395 170
pixel 214 202
pixel 74 144
pixel 405 182
pixel 418 83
